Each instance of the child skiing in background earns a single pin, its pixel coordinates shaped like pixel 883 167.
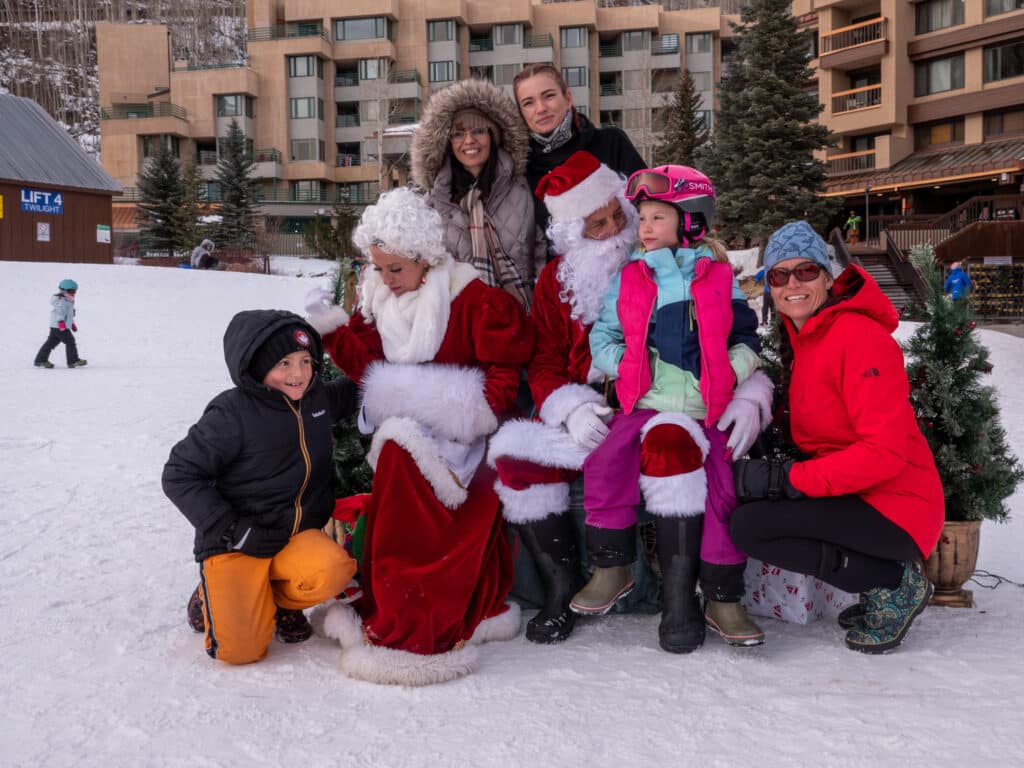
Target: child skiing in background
pixel 677 336
pixel 253 477
pixel 62 327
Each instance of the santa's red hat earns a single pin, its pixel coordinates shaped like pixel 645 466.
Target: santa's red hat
pixel 578 187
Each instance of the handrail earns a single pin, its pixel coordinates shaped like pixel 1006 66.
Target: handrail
pixel 904 270
pixel 851 161
pixel 868 97
pixel 404 76
pixel 538 41
pixel 843 255
pixel 862 33
pixel 141 111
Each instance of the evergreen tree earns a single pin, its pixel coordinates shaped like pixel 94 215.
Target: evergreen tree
pixel 685 131
pixel 238 189
pixel 189 230
pixel 761 155
pixel 159 185
pixel 331 237
pixel 958 415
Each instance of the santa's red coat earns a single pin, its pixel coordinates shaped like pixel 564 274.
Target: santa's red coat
pixel 432 572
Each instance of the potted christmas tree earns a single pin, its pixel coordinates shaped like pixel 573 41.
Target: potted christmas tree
pixel 959 417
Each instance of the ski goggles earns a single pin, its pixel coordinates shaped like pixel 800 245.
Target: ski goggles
pixel 656 185
pixel 805 273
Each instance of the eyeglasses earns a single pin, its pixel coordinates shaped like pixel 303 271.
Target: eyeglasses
pixel 805 273
pixel 617 221
pixel 458 137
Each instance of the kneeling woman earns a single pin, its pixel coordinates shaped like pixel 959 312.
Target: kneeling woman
pixel 867 503
pixel 438 356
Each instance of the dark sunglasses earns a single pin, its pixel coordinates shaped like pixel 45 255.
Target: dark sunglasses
pixel 778 276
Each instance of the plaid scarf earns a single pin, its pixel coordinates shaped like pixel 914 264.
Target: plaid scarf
pixel 495 267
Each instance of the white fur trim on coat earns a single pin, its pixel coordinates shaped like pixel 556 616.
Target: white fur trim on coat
pixel 759 390
pixel 536 442
pixel 534 503
pixel 329 319
pixel 680 420
pixel 388 666
pixel 339 622
pixel 407 434
pixel 676 495
pixel 447 399
pixel 504 626
pixel 567 398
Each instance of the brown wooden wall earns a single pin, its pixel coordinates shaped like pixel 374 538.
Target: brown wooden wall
pixel 984 238
pixel 72 233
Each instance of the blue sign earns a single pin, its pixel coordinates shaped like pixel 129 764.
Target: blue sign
pixel 37 201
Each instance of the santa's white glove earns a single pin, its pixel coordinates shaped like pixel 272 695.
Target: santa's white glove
pixel 586 425
pixel 322 313
pixel 748 413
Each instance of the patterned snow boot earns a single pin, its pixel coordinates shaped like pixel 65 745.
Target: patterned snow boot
pixel 890 612
pixel 292 626
pixel 195 611
pixel 853 615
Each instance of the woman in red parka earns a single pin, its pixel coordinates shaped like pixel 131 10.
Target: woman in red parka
pixel 865 504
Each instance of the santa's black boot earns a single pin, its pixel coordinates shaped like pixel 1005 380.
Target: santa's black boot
pixel 682 625
pixel 552 544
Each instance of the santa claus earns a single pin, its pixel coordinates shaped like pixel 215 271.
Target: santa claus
pixel 592 228
pixel 438 355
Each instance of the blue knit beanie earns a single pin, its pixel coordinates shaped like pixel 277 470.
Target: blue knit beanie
pixel 796 240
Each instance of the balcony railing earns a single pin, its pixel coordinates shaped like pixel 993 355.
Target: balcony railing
pixel 270 155
pixel 128 195
pixel 347 161
pixel 346 121
pixel 139 111
pixel 404 76
pixel 538 41
pixel 284 31
pixel 356 196
pixel 292 195
pixel 611 89
pixel 477 44
pixel 202 67
pixel 346 80
pixel 608 50
pixel 852 162
pixel 664 47
pixel 206 157
pixel 869 31
pixel 857 98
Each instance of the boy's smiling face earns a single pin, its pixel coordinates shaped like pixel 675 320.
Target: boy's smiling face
pixel 291 375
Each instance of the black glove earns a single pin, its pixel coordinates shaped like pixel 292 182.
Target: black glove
pixel 758 479
pixel 256 541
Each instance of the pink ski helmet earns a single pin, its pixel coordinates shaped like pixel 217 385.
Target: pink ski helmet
pixel 686 188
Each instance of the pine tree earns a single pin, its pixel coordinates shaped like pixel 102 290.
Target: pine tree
pixel 685 130
pixel 238 189
pixel 331 237
pixel 761 155
pixel 958 414
pixel 189 230
pixel 159 185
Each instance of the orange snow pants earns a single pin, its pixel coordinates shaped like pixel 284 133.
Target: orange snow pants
pixel 241 594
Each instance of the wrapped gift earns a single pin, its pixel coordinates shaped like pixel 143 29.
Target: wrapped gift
pixel 792 597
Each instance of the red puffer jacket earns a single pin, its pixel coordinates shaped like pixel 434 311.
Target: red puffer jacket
pixel 850 412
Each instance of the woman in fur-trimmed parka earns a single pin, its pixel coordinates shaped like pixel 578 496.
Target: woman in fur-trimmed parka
pixel 469 155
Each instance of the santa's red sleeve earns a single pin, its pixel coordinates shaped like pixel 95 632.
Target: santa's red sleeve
pixel 353 346
pixel 503 339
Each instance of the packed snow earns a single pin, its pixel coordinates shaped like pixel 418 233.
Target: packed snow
pixel 100 669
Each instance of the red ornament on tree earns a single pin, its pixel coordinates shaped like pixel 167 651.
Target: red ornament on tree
pixel 971 325
pixel 957 332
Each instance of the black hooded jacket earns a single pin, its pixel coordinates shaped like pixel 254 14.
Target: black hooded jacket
pixel 255 456
pixel 609 145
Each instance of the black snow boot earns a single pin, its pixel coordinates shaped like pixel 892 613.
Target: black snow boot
pixel 292 626
pixel 682 621
pixel 552 544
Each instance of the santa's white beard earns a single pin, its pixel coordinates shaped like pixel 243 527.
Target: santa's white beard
pixel 588 266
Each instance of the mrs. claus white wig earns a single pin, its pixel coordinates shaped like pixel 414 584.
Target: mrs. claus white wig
pixel 402 223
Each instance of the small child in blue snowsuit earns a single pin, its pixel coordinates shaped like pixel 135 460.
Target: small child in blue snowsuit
pixel 62 327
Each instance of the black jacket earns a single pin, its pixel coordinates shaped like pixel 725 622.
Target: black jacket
pixel 609 145
pixel 256 456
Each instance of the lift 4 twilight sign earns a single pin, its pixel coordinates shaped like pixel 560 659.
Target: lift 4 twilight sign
pixel 37 201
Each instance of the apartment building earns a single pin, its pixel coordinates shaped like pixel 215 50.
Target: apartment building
pixel 926 98
pixel 331 90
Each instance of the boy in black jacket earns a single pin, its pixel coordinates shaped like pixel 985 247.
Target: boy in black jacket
pixel 253 477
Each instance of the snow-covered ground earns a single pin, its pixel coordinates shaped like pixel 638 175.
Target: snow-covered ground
pixel 98 668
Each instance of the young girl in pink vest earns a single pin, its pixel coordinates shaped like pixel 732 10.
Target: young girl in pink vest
pixel 678 337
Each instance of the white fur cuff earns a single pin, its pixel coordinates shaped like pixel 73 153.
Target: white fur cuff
pixel 504 626
pixel 567 398
pixel 534 503
pixel 676 495
pixel 447 399
pixel 329 319
pixel 537 442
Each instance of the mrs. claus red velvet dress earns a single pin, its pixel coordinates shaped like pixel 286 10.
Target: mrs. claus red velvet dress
pixel 436 561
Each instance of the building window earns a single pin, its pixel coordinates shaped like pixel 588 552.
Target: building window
pixel 862 143
pixel 346 75
pixel 633 119
pixel 1004 61
pixel 301 66
pixel 441 31
pixel 1006 122
pixel 938 14
pixel 995 7
pixel 667 44
pixel 633 80
pixel 936 134
pixel 306 149
pixel 939 75
pixel 482 73
pixel 306 189
pixel 222 147
pixel 813 43
pixel 230 106
pixel 376 27
pixel 582 109
pixel 698 42
pixel 441 71
pixel 299 109
pixel 508 34
pixel 704 115
pixel 575 77
pixel 634 41
pixel 702 81
pixel 373 69
pixel 574 37
pixel 151 144
pixel 504 73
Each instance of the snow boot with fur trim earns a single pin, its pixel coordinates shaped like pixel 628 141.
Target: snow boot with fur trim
pixel 552 544
pixel 890 612
pixel 682 626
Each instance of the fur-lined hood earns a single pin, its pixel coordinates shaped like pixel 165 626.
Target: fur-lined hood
pixel 430 142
